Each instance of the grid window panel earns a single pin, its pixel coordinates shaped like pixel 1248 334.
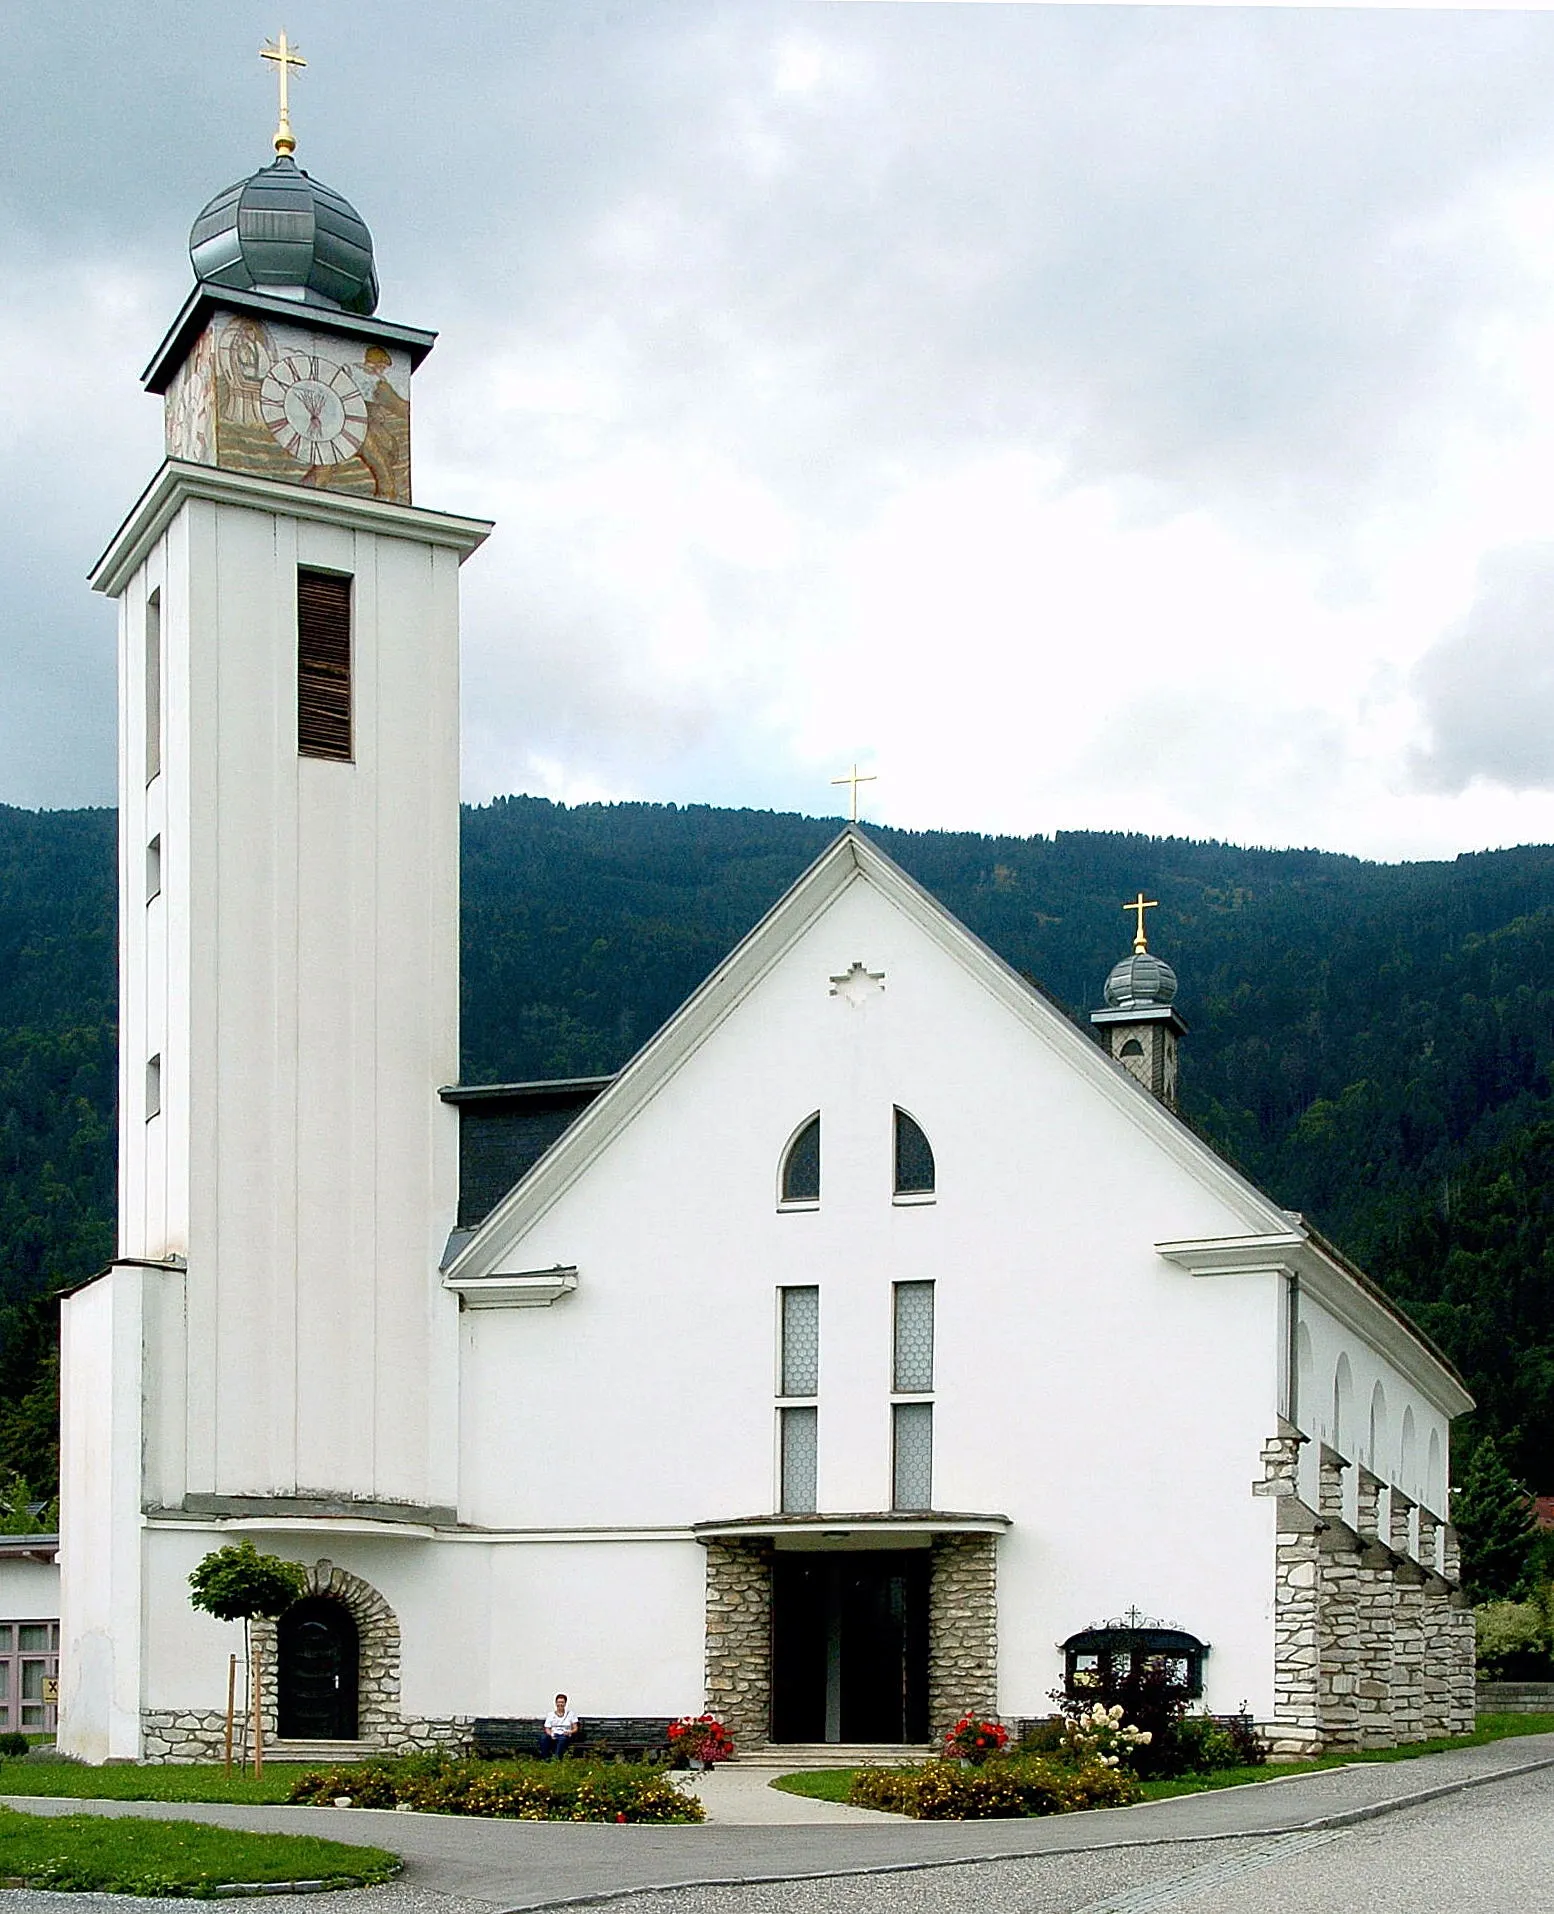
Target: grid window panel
pixel 913 1367
pixel 35 1636
pixel 800 1455
pixel 801 1342
pixel 912 1486
pixel 914 1158
pixel 801 1166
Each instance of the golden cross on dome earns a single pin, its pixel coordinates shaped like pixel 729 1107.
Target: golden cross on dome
pixel 285 56
pixel 854 778
pixel 1140 904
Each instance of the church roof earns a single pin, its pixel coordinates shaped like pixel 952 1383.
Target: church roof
pixel 1273 1238
pixel 281 230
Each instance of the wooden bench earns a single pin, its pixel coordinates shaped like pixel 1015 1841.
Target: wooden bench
pixel 600 1737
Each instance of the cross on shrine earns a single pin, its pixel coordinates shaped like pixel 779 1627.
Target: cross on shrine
pixel 1140 904
pixel 855 779
pixel 285 56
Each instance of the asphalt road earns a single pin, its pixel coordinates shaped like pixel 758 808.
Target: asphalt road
pixel 1484 1846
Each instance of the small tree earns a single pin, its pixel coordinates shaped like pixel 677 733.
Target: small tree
pixel 237 1583
pixel 1493 1517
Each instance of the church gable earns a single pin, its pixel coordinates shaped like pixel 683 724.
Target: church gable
pixel 856 946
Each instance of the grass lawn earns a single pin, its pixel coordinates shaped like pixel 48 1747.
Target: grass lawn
pixel 152 1781
pixel 832 1784
pixel 83 1852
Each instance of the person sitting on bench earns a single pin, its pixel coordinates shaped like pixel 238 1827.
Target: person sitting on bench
pixel 561 1729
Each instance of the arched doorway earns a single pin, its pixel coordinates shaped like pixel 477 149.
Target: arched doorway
pixel 317 1655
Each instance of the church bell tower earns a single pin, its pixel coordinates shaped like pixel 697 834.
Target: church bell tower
pixel 1139 1024
pixel 272 1341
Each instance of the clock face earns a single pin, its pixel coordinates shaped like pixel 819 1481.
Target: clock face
pixel 314 408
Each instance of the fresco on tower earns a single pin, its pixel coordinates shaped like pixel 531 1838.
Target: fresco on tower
pixel 285 402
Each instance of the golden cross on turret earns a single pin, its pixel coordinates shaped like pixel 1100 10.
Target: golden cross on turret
pixel 1140 904
pixel 285 56
pixel 855 779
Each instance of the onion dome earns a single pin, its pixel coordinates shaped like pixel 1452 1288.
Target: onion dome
pixel 1140 982
pixel 283 233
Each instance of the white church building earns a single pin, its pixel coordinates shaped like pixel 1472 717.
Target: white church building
pixel 876 1345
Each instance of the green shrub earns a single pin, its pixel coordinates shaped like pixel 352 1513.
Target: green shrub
pixel 1005 1788
pixel 1204 1743
pixel 1042 1737
pixel 509 1790
pixel 1513 1640
pixel 13 1746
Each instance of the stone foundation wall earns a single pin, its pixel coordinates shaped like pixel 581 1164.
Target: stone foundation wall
pixel 1373 1640
pixel 962 1630
pixel 739 1639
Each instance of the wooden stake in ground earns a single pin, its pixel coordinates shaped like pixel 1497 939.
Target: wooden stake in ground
pixel 231 1704
pixel 258 1655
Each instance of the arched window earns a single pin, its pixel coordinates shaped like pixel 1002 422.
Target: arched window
pixel 914 1158
pixel 1435 1487
pixel 1111 1661
pixel 1380 1461
pixel 1132 1048
pixel 1343 1408
pixel 1408 1456
pixel 801 1164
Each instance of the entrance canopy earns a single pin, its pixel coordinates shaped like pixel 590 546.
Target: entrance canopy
pixel 897 1529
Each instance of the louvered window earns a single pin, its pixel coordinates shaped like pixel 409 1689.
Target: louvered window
pixel 323 665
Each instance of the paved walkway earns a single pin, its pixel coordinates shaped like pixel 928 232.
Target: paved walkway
pixel 524 1865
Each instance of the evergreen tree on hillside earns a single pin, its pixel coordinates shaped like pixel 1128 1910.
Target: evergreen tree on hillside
pixel 1493 1517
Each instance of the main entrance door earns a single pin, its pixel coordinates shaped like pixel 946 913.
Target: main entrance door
pixel 850 1646
pixel 317 1648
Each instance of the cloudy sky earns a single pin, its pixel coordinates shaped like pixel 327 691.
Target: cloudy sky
pixel 1084 417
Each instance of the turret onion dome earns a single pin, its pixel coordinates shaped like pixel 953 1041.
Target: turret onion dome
pixel 282 233
pixel 1140 982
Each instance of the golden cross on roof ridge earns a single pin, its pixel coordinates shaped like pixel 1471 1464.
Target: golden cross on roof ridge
pixel 285 56
pixel 1139 905
pixel 854 778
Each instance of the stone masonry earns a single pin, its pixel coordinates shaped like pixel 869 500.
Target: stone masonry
pixel 1373 1641
pixel 200 1734
pixel 739 1638
pixel 962 1630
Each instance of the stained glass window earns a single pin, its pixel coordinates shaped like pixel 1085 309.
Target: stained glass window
pixel 801 1342
pixel 801 1166
pixel 912 1486
pixel 913 1366
pixel 800 1446
pixel 914 1158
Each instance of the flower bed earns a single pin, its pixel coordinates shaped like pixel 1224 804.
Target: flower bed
pixel 507 1790
pixel 1004 1788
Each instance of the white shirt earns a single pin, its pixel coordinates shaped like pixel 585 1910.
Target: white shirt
pixel 561 1724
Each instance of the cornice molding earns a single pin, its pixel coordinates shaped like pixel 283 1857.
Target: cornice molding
pixel 180 481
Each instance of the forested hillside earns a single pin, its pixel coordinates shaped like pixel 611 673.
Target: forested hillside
pixel 1374 1044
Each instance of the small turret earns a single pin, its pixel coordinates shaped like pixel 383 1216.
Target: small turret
pixel 1139 1024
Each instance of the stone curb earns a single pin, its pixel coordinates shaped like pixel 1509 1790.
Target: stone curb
pixel 1346 1817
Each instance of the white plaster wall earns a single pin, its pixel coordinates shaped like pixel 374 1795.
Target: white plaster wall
pixel 486 1628
pixel 1328 1340
pixel 1112 1406
pixel 29 1591
pixel 99 1559
pixel 300 975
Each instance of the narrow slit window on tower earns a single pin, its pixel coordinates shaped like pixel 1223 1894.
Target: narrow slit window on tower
pixel 801 1166
pixel 154 868
pixel 914 1158
pixel 323 666
pixel 153 1087
pixel 153 685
